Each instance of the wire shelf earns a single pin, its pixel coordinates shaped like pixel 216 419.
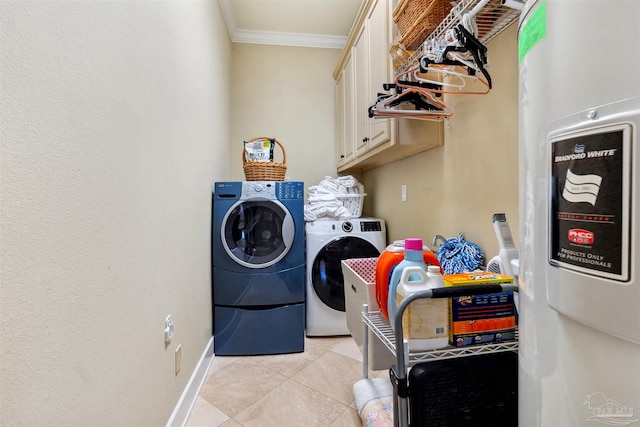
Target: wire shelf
pixel 491 19
pixel 380 326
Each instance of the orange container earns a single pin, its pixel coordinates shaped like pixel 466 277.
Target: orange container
pixel 388 259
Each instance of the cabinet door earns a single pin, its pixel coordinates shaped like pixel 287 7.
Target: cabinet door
pixel 361 75
pixel 345 133
pixel 378 24
pixel 372 71
pixel 340 129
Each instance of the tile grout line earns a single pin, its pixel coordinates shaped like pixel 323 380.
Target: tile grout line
pixel 302 385
pixel 272 367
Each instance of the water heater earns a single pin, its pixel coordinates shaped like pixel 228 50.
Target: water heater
pixel 579 69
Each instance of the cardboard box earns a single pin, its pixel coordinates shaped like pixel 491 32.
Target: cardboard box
pixel 360 288
pixel 481 319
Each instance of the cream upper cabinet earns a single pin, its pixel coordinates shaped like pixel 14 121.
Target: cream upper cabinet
pixel 364 66
pixel 345 109
pixel 378 28
pixel 371 72
pixel 361 68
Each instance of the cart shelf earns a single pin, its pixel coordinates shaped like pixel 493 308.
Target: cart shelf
pixel 379 325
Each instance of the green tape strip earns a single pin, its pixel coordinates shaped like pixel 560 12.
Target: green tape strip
pixel 533 31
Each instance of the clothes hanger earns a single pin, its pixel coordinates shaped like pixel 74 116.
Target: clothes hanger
pixel 468 43
pixel 459 46
pixel 451 81
pixel 447 74
pixel 406 80
pixel 425 106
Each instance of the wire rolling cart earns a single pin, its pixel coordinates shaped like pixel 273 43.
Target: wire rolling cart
pixel 484 374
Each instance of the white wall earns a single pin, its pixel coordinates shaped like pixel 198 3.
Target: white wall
pixel 115 122
pixel 287 93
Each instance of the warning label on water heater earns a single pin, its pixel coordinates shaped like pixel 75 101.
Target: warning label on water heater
pixel 590 206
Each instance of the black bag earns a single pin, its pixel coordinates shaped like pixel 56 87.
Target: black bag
pixel 479 390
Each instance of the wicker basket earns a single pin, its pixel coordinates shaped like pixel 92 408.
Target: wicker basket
pixel 265 171
pixel 416 19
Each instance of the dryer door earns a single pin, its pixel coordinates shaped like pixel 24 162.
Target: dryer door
pixel 326 271
pixel 257 233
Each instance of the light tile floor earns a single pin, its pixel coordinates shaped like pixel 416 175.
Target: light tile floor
pixel 312 388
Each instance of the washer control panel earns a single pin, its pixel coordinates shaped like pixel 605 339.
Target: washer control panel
pixel 273 190
pixel 264 189
pixel 290 190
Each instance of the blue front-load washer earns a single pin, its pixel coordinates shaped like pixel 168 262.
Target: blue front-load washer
pixel 258 267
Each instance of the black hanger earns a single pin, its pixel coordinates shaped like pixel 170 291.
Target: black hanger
pixel 420 101
pixel 469 43
pixel 423 85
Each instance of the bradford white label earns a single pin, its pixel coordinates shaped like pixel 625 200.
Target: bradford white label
pixel 590 203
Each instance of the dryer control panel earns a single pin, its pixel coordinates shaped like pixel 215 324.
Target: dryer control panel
pixel 370 226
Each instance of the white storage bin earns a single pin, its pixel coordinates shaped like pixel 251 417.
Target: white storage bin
pixel 360 288
pixel 353 203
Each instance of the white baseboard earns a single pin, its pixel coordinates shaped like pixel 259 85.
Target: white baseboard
pixel 190 394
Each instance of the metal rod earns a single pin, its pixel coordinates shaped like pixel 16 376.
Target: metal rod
pixel 365 343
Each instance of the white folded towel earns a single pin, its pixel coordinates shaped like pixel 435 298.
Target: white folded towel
pixel 374 401
pixel 322 201
pixel 316 211
pixel 368 389
pixel 317 198
pixel 347 181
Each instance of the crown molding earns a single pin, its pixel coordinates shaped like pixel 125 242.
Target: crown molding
pixel 288 39
pixel 276 38
pixel 229 17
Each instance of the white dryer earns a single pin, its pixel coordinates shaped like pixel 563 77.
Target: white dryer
pixel 328 243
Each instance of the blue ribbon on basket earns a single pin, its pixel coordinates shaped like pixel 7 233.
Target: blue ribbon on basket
pixel 457 255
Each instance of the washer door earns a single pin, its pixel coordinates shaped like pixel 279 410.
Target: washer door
pixel 257 233
pixel 326 271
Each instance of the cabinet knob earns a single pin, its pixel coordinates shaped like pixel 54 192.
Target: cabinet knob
pixel 342 156
pixel 365 139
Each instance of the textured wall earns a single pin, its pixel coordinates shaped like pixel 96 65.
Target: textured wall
pixel 114 125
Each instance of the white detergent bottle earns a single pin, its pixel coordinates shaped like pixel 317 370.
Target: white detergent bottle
pixel 435 277
pixel 412 258
pixel 425 320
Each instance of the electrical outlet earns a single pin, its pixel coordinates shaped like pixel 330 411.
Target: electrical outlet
pixel 178 360
pixel 169 327
pixel 403 196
